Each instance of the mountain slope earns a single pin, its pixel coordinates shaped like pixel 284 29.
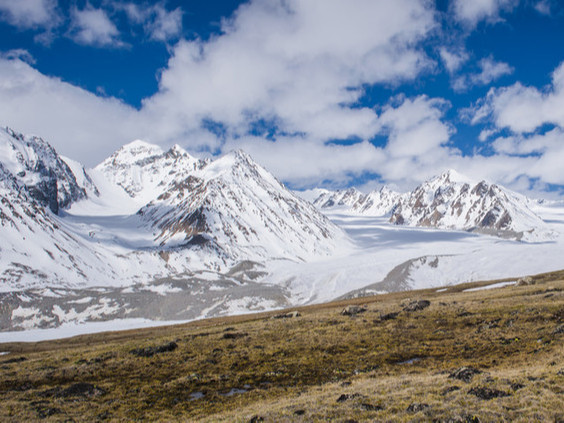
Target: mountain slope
pixel 145 214
pixel 238 209
pixel 36 248
pixel 448 201
pixel 144 170
pixel 375 203
pixel 452 201
pixel 36 166
pixel 347 197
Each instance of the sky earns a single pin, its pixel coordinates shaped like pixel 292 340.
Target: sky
pixel 331 93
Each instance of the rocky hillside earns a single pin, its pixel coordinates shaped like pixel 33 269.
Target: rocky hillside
pixel 447 201
pixel 452 201
pixel 39 170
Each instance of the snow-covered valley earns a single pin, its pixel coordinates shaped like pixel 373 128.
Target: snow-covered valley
pixel 383 258
pixel 152 235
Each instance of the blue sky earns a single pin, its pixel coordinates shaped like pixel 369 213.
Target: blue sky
pixel 321 92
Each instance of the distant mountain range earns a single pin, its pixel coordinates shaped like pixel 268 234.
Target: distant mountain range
pixel 447 201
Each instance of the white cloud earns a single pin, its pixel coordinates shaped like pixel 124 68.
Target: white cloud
pixel 415 127
pixel 416 146
pixel 524 109
pixel 300 63
pixel 486 134
pixel 291 159
pixel 548 150
pixel 20 54
pixel 93 27
pixel 490 70
pixel 158 23
pixel 29 13
pixel 543 7
pixel 77 123
pixel 453 60
pixel 533 155
pixel 471 12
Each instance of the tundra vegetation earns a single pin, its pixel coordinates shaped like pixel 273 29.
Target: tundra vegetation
pixel 444 355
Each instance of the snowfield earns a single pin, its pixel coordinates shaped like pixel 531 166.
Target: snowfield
pixel 383 258
pixel 154 235
pixel 418 258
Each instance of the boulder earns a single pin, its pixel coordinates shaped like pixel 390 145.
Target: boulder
pixel 353 310
pixel 151 351
pixel 464 374
pixel 417 305
pixel 485 393
pixel 527 280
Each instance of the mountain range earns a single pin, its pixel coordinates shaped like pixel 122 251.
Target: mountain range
pixel 146 205
pixel 447 201
pixel 160 234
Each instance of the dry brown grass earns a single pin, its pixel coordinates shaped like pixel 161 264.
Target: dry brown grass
pixel 305 364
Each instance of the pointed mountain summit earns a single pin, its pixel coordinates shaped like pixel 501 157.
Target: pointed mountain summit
pixel 236 208
pixel 39 170
pixel 450 200
pixel 453 201
pixel 143 169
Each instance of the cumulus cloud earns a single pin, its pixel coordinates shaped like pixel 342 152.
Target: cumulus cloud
pixel 158 23
pixel 93 27
pixel 532 152
pixel 524 109
pixel 453 59
pixel 290 159
pixel 416 137
pixel 415 127
pixel 547 150
pixel 19 54
pixel 29 13
pixel 283 80
pixel 490 70
pixel 471 12
pixel 78 123
pixel 300 63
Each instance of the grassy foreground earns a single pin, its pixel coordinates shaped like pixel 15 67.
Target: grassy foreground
pixel 383 364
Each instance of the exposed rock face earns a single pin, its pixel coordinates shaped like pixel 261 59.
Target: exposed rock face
pixel 375 203
pixel 448 201
pixel 452 201
pixel 329 199
pixel 235 208
pixel 38 169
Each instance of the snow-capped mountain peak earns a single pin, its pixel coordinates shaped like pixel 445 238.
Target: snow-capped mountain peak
pixel 453 201
pixel 450 176
pixel 238 209
pixel 37 167
pixel 143 169
pixel 133 152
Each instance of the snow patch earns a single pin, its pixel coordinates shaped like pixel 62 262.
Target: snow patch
pixel 492 286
